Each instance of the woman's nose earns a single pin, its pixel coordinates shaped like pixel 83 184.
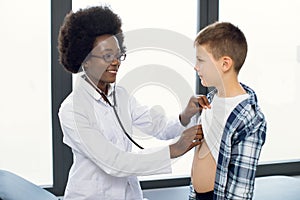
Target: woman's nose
pixel 115 61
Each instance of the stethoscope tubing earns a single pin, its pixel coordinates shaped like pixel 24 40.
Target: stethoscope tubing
pixel 113 106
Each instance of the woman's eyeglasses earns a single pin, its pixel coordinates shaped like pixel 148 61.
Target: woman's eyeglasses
pixel 111 57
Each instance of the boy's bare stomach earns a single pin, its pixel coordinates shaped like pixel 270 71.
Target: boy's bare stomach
pixel 203 169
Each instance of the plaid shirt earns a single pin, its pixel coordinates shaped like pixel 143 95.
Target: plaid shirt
pixel 243 137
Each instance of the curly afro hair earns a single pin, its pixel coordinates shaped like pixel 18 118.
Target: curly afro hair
pixel 79 31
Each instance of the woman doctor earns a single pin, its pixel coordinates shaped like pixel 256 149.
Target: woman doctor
pixel 97 115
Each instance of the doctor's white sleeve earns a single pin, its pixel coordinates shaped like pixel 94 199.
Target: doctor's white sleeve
pixel 80 135
pixel 153 122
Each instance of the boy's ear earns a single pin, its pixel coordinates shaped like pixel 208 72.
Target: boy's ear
pixel 227 63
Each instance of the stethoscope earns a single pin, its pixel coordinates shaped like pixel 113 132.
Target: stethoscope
pixel 111 105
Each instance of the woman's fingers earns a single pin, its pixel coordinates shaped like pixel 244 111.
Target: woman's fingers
pixel 199 133
pixel 203 101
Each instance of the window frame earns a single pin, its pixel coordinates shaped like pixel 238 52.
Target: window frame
pixel 61 86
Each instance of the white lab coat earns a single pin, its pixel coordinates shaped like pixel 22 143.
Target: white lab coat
pixel 104 166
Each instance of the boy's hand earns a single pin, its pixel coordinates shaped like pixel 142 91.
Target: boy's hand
pixel 195 105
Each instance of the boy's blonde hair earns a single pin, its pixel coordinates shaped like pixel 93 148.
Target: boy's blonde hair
pixel 224 39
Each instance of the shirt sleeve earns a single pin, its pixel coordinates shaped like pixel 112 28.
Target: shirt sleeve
pixel 82 136
pixel 154 122
pixel 244 160
pixel 192 193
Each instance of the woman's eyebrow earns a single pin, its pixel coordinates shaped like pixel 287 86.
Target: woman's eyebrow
pixel 108 50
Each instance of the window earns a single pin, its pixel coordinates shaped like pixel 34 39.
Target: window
pixel 272 68
pixel 25 131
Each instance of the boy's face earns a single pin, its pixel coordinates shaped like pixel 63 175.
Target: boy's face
pixel 207 67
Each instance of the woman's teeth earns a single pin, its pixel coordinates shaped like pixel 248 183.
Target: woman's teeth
pixel 112 71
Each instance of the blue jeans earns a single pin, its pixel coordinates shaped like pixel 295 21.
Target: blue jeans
pixel 14 187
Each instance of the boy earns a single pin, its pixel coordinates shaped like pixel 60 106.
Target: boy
pixel 234 128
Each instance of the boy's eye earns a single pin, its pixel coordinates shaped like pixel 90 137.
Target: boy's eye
pixel 199 60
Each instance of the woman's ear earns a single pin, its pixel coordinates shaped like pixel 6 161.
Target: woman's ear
pixel 86 63
pixel 227 63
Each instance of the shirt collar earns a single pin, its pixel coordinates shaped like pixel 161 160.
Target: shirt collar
pixel 252 100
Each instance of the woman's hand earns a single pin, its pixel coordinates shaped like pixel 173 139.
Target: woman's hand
pixel 195 105
pixel 190 138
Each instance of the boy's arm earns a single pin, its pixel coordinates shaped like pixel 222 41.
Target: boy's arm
pixel 244 159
